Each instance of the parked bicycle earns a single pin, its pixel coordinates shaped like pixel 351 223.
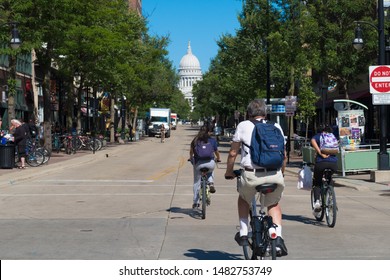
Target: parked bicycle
pixel 34 145
pixel 33 158
pixel 298 145
pixel 262 234
pixel 69 144
pixel 88 143
pixel 56 142
pixel 327 200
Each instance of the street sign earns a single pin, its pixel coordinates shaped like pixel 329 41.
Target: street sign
pixel 291 105
pixel 290 114
pixel 379 79
pixel 380 99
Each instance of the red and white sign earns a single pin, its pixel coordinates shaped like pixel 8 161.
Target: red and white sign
pixel 380 79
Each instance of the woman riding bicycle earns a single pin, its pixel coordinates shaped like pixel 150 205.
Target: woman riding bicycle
pixel 206 160
pixel 325 158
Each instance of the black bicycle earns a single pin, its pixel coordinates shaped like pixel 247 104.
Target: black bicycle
pixel 204 192
pixel 262 236
pixel 327 200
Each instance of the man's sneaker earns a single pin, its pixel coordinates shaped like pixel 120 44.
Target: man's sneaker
pixel 317 206
pixel 241 240
pixel 212 188
pixel 281 249
pixel 195 205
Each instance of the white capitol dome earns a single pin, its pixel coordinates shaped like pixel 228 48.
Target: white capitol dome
pixel 189 61
pixel 189 72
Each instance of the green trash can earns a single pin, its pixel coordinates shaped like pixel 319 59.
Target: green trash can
pixel 7 156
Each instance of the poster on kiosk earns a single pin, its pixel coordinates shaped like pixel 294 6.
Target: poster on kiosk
pixel 351 128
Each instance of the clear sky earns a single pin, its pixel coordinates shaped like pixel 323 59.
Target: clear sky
pixel 202 22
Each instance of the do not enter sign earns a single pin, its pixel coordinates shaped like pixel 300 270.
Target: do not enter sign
pixel 380 79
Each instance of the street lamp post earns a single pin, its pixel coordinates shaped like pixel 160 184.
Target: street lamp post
pixel 383 156
pixel 268 68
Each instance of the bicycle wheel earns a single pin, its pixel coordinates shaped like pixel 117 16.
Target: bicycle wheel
pixel 248 249
pixel 35 159
pixel 45 152
pixel 272 244
pixel 77 143
pixel 94 145
pixel 269 250
pixel 204 198
pixel 330 206
pixel 318 215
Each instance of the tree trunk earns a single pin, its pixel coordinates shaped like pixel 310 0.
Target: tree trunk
pixel 307 130
pixel 78 113
pixel 135 119
pixel 70 107
pixel 47 118
pixel 11 89
pixel 34 87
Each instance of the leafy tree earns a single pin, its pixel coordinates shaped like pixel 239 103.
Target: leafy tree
pixel 100 42
pixel 328 36
pixel 306 102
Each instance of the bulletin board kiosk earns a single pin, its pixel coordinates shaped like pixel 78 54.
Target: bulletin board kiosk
pixel 354 156
pixel 350 123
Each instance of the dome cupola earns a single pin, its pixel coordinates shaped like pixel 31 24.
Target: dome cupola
pixel 189 61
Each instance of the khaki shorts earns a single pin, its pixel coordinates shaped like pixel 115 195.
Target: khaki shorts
pixel 249 180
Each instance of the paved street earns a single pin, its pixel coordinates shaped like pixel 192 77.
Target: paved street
pixel 133 201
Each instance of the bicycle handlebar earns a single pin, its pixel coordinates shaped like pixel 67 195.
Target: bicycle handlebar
pixel 237 173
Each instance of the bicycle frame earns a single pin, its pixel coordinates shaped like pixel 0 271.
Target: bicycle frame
pixel 204 192
pixel 263 230
pixel 261 243
pixel 328 199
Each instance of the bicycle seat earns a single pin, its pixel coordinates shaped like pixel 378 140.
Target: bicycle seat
pixel 204 169
pixel 266 188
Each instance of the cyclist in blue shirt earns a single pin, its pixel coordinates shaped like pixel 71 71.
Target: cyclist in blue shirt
pixel 323 161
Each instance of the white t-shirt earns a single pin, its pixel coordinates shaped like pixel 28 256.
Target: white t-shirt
pixel 244 134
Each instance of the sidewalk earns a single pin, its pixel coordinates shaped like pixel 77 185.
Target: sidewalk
pixel 57 162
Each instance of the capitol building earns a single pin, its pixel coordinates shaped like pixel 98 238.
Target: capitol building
pixel 189 73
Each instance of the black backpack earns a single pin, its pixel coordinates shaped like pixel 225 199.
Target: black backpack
pixel 31 130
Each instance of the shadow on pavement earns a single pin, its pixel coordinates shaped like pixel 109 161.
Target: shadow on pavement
pixel 187 211
pixel 211 255
pixel 300 218
pixel 304 220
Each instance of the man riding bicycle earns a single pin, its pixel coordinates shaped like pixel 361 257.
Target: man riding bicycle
pixel 254 175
